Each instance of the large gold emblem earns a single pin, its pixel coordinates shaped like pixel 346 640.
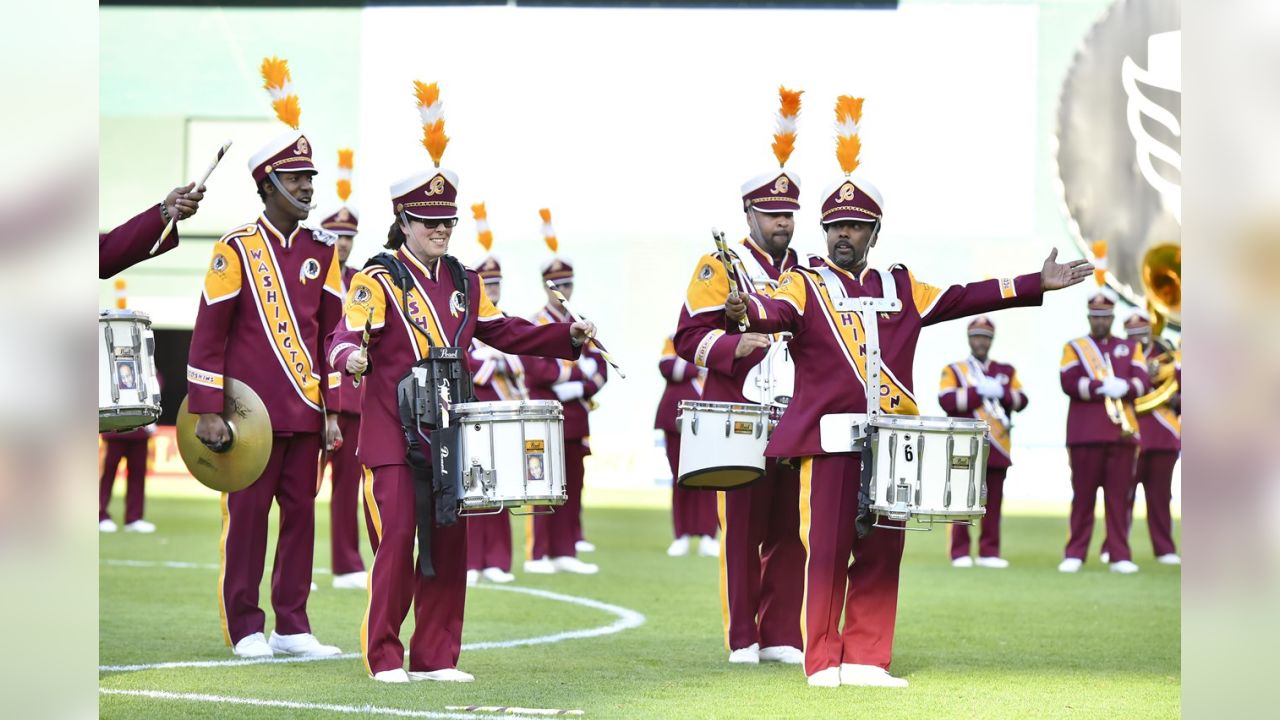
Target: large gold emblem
pixel 847 192
pixel 781 185
pixel 436 186
pixel 302 148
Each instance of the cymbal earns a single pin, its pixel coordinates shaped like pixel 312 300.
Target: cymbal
pixel 242 464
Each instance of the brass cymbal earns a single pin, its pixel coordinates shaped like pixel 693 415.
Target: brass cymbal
pixel 242 464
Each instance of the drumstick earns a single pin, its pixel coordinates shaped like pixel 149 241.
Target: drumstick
pixel 364 344
pixel 512 710
pixel 209 171
pixel 578 318
pixel 743 324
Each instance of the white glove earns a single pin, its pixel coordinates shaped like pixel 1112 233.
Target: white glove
pixel 588 365
pixel 1114 387
pixel 567 391
pixel 990 388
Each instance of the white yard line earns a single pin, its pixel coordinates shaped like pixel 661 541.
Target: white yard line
pixel 293 705
pixel 626 619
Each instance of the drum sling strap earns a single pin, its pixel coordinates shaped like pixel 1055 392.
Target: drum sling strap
pixel 865 520
pixel 424 396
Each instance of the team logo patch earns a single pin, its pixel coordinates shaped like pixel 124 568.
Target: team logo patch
pixel 436 186
pixel 1121 351
pixel 362 295
pixel 456 303
pixel 847 191
pixel 302 148
pixel 344 215
pixel 310 270
pixel 781 185
pixel 219 264
pixel 705 272
pixel 786 280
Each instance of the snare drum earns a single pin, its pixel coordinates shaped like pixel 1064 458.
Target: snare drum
pixel 512 454
pixel 722 444
pixel 930 469
pixel 128 392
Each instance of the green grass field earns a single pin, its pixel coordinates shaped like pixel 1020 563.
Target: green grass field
pixel 1023 642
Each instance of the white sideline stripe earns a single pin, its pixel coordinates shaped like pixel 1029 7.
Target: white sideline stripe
pixel 626 619
pixel 181 565
pixel 291 705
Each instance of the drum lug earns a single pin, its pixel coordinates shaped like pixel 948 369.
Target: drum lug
pixel 728 425
pixel 693 425
pixel 759 429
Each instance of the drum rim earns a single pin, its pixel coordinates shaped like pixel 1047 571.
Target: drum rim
pixel 717 406
pixel 116 314
pixel 505 405
pixel 927 422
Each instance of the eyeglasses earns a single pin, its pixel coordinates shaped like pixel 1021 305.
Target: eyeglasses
pixel 433 224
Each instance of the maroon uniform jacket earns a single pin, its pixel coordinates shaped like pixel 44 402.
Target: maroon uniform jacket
pixel 268 301
pixel 496 375
pixel 684 382
pixel 542 374
pixel 131 243
pixel 702 335
pixel 1084 365
pixel 347 395
pixel 959 398
pixel 827 346
pixel 434 304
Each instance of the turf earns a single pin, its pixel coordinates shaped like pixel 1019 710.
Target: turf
pixel 1023 642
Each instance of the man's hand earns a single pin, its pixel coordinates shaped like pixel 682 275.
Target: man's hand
pixel 580 330
pixel 750 342
pixel 735 308
pixel 211 429
pixel 183 202
pixel 1055 275
pixel 357 362
pixel 332 435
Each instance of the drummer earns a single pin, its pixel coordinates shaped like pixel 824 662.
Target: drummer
pixel 446 302
pixel 761 557
pixel 865 591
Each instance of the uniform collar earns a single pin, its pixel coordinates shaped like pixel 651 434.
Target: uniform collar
pixel 984 365
pixel 788 258
pixel 408 255
pixel 555 314
pixel 285 242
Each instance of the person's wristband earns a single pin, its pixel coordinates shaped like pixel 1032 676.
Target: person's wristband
pixel 164 213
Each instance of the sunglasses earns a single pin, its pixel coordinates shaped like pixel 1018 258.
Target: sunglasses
pixel 433 224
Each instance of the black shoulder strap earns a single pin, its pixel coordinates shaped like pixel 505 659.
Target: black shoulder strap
pixel 461 282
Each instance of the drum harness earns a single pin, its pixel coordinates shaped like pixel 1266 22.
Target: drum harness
pixel 425 395
pixel 867 308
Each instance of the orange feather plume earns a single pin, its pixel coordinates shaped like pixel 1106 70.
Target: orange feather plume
pixel 276 80
pixel 288 111
pixel 548 232
pixel 344 190
pixel 1100 262
pixel 784 139
pixel 848 144
pixel 483 233
pixel 346 158
pixel 434 140
pixel 433 137
pixel 427 94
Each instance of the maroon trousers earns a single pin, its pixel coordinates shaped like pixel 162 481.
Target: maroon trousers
pixel 489 542
pixel 762 561
pixel 555 534
pixel 989 539
pixel 290 480
pixel 693 512
pixel 394 582
pixel 134 454
pixel 1155 475
pixel 344 506
pixel 1110 467
pixel 864 590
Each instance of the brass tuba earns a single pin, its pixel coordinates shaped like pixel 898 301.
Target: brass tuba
pixel 1162 282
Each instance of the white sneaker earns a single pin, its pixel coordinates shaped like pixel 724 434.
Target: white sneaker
pixel 963 561
pixel 541 566
pixel 678 547
pixel 574 565
pixel 445 675
pixel 140 526
pixel 709 547
pixel 584 546
pixel 1105 556
pixel 868 675
pixel 473 577
pixel 497 575
pixel 825 678
pixel 784 654
pixel 301 644
pixel 1169 559
pixel 107 525
pixel 314 586
pixel 392 676
pixel 993 562
pixel 1070 565
pixel 351 581
pixel 253 646
pixel 749 655
pixel 1124 567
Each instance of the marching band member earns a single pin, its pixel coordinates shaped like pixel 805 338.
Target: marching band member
pixel 271 290
pixel 1160 442
pixel 443 306
pixel 693 512
pixel 132 242
pixel 497 376
pixel 1101 374
pixel 981 388
pixel 133 447
pixel 761 557
pixel 554 540
pixel 346 474
pixel 865 590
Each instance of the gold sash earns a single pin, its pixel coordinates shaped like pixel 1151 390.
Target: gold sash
pixel 276 312
pixel 999 431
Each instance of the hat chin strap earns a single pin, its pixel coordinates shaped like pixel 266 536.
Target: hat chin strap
pixel 288 195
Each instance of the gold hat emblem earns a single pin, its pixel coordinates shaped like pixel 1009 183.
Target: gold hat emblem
pixel 344 215
pixel 847 192
pixel 436 186
pixel 302 148
pixel 781 185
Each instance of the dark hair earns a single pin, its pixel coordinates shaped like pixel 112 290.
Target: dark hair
pixel 262 190
pixel 395 236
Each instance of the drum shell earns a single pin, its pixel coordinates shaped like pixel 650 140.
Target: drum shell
pixel 722 444
pixel 914 450
pixel 125 339
pixel 499 443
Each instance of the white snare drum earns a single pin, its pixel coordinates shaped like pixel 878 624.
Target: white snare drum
pixel 722 444
pixel 930 469
pixel 128 392
pixel 512 454
pixel 773 379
